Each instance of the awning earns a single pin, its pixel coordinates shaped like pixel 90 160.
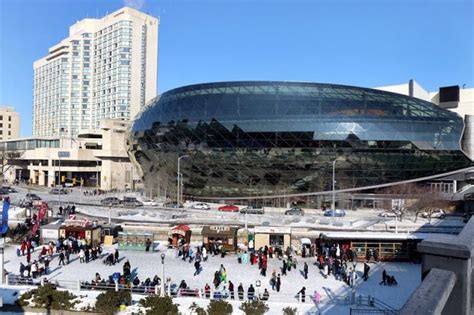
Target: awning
pixel 181 229
pixel 219 230
pixel 305 241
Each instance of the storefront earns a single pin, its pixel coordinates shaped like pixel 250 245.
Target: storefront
pixel 133 240
pixel 81 229
pixel 225 235
pixel 272 236
pixel 180 232
pixel 50 232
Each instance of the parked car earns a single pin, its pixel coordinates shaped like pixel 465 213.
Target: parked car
pixel 148 202
pixel 9 189
pixel 294 211
pixel 173 205
pixel 114 201
pixel 131 202
pixel 4 191
pixel 252 210
pixel 229 208
pixel 58 191
pixel 334 213
pixel 390 214
pixel 438 213
pixel 201 206
pixel 33 197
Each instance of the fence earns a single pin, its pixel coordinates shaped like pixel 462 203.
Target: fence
pixel 172 289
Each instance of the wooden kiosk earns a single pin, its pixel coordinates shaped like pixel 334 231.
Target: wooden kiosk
pixel 226 235
pixel 81 229
pixel 179 233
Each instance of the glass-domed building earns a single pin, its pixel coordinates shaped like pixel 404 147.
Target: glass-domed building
pixel 254 138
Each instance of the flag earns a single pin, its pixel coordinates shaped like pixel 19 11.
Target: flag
pixel 6 207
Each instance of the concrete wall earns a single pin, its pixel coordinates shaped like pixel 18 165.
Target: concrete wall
pixel 453 254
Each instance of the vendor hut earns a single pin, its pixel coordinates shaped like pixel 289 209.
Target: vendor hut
pixel 180 232
pixel 220 234
pixel 277 237
pixel 82 230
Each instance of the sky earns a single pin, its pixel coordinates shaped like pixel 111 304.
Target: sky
pixel 365 43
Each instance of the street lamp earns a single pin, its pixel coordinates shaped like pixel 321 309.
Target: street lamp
pixel 163 274
pixel 179 182
pixel 333 204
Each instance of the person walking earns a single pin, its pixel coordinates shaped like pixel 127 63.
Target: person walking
pixel 283 270
pixel 231 290
pixel 302 294
pixel 147 245
pixel 273 279
pixel 305 270
pixel 366 272
pixel 278 283
pixel 81 256
pixel 61 259
pixel 116 256
pixel 384 278
pixel 197 267
pixel 240 291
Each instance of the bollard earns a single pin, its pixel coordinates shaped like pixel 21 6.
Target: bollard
pixel 42 281
pixel 78 285
pixel 156 289
pixel 169 288
pixel 212 293
pixel 116 286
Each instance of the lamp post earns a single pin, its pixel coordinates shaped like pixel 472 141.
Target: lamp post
pixel 179 180
pixel 333 203
pixel 163 274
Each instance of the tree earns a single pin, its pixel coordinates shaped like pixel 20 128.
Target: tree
pixel 218 307
pixel 159 305
pixel 109 301
pixel 290 311
pixel 48 297
pixel 197 310
pixel 254 308
pixel 7 159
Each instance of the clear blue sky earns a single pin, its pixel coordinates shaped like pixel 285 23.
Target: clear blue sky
pixel 359 42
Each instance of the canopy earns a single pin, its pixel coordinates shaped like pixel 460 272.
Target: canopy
pixel 181 229
pixel 305 241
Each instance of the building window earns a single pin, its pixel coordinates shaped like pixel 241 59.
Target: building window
pixel 9 118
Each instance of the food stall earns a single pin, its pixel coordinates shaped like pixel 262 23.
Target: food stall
pixel 180 232
pixel 225 235
pixel 81 229
pixel 50 232
pixel 275 236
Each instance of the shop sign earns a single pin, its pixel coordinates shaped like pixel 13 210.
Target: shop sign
pixel 219 228
pixel 49 233
pixel 272 230
pixel 81 223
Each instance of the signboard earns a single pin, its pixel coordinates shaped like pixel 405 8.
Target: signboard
pixel 64 154
pixel 219 228
pixel 49 234
pixel 108 240
pixel 273 230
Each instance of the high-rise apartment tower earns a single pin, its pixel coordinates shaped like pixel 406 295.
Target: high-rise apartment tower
pixel 106 68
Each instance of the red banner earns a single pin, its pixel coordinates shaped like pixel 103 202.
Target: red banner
pixel 41 214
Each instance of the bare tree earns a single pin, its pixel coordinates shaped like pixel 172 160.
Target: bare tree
pixel 417 199
pixel 8 158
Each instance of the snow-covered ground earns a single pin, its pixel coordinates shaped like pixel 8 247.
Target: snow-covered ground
pixel 149 264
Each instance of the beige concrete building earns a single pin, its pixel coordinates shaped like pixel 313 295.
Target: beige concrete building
pixel 9 123
pixel 105 68
pixel 50 161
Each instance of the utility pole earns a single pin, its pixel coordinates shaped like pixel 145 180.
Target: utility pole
pixel 333 204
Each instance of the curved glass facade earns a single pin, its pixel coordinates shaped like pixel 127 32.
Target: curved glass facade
pixel 270 138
